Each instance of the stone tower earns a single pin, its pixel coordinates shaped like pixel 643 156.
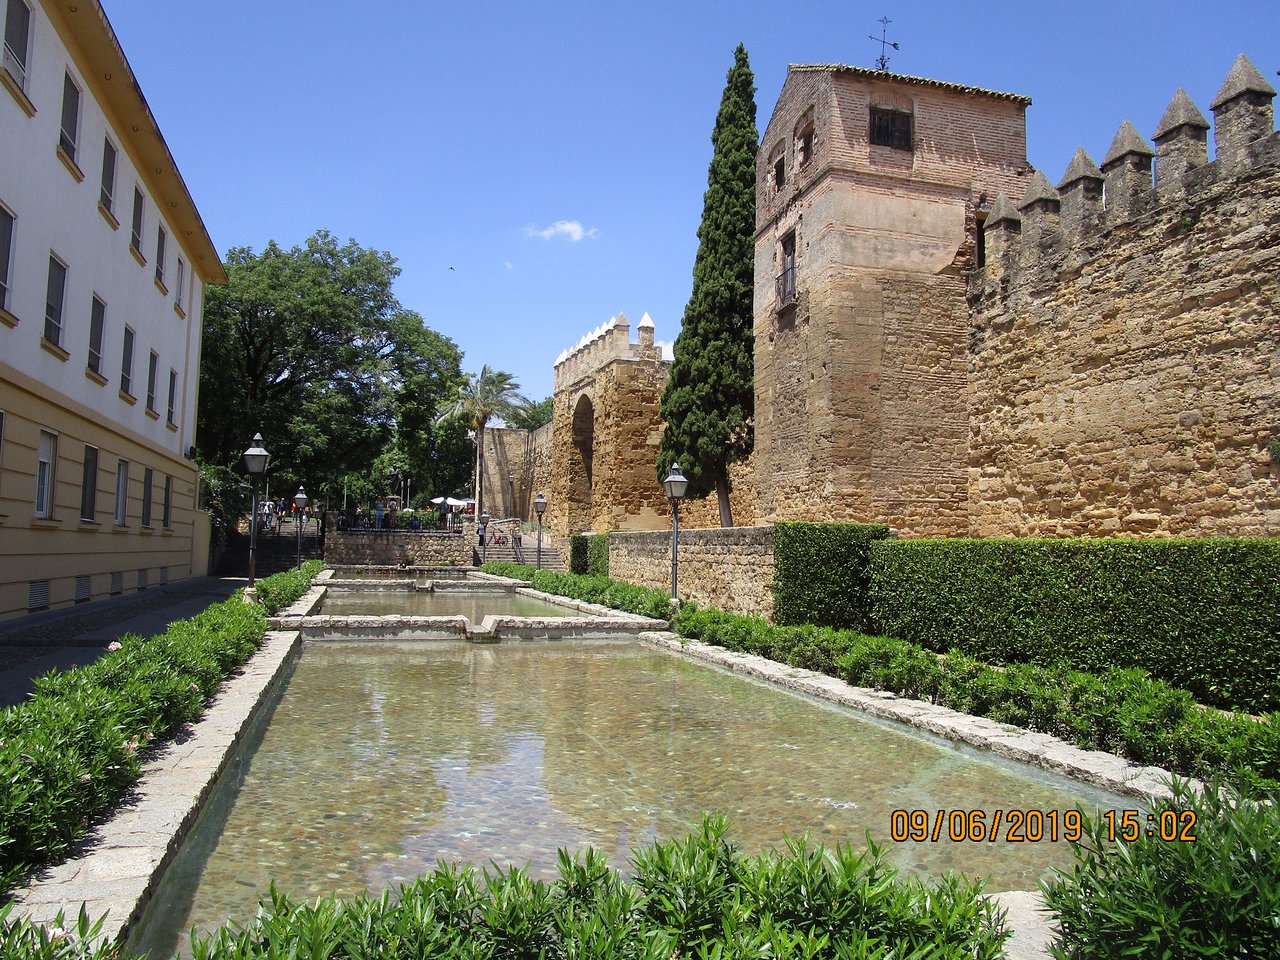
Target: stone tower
pixel 871 188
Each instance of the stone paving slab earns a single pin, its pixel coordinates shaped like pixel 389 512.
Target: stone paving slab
pixel 118 866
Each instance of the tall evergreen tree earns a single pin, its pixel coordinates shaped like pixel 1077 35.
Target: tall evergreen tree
pixel 709 399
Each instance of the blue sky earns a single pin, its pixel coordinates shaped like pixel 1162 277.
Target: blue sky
pixel 554 154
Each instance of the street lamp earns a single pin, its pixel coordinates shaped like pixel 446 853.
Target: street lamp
pixel 255 461
pixel 511 485
pixel 484 536
pixel 300 501
pixel 675 485
pixel 539 506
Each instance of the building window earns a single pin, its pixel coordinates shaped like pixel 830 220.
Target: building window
pixel 780 173
pixel 17 35
pixel 6 245
pixel 786 282
pixel 148 478
pixel 89 484
pixel 180 277
pixel 173 397
pixel 890 128
pixel 153 367
pixel 70 116
pixel 126 364
pixel 135 238
pixel 53 301
pixel 46 459
pixel 106 195
pixel 167 509
pixel 122 493
pixel 97 320
pixel 161 237
pixel 804 144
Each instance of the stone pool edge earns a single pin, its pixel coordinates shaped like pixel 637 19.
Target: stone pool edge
pixel 1026 914
pixel 118 866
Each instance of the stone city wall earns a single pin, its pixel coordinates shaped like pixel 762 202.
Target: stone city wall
pixel 1124 357
pixel 729 568
pixel 390 547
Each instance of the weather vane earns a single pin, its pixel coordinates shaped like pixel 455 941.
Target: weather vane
pixel 882 61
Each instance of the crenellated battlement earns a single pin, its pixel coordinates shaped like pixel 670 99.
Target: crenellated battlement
pixel 1053 232
pixel 607 343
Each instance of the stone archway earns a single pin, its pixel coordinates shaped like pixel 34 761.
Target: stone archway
pixel 582 449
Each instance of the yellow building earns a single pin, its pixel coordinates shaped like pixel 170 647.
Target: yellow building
pixel 103 262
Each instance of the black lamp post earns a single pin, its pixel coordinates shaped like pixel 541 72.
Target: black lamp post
pixel 300 500
pixel 255 461
pixel 539 506
pixel 675 485
pixel 511 485
pixel 484 536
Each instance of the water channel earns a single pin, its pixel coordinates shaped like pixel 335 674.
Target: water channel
pixel 475 605
pixel 382 759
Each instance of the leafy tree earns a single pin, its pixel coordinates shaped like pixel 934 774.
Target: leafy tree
pixel 531 416
pixel 481 397
pixel 709 400
pixel 311 347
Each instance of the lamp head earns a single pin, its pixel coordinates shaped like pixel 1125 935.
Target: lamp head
pixel 540 504
pixel 675 484
pixel 256 457
pixel 301 498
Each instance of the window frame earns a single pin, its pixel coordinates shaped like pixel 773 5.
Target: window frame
pixel 8 54
pixel 166 514
pixel 97 330
pixel 785 284
pixel 173 397
pixel 107 188
pixel 121 514
pixel 69 141
pixel 887 126
pixel 148 491
pixel 179 278
pixel 6 255
pixel 46 475
pixel 53 323
pixel 153 373
pixel 126 361
pixel 89 485
pixel 137 222
pixel 161 239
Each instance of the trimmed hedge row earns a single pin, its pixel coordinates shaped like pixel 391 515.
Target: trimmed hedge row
pixel 70 751
pixel 1202 614
pixel 589 554
pixel 618 594
pixel 821 573
pixel 1120 711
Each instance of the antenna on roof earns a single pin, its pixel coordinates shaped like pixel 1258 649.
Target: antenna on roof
pixel 882 61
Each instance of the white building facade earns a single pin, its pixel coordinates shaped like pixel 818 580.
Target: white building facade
pixel 103 262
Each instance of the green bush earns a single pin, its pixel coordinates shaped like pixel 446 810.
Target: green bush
pixel 821 573
pixel 579 561
pixel 698 896
pixel 516 571
pixel 278 591
pixel 70 751
pixel 1201 614
pixel 1216 896
pixel 618 594
pixel 598 554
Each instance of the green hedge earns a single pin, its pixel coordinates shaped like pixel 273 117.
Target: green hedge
pixel 1202 614
pixel 618 594
pixel 589 554
pixel 820 573
pixel 1218 896
pixel 1120 711
pixel 70 751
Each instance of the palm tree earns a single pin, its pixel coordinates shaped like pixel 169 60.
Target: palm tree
pixel 481 397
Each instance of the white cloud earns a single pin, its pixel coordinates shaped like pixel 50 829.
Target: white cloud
pixel 508 264
pixel 572 229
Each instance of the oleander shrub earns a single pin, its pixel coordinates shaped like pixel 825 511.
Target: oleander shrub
pixel 60 939
pixel 70 751
pixel 516 571
pixel 279 590
pixel 1162 894
pixel 1202 614
pixel 821 573
pixel 697 896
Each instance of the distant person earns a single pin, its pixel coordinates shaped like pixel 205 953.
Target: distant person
pixel 378 508
pixel 480 533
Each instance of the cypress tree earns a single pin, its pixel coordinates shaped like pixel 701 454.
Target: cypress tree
pixel 709 399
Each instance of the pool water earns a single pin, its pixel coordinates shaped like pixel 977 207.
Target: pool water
pixel 475 605
pixel 381 760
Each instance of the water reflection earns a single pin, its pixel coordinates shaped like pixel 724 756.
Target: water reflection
pixel 381 760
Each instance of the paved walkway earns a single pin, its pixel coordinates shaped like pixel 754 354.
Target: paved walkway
pixel 34 644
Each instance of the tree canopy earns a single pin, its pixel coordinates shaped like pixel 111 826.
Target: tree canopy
pixel 311 347
pixel 709 401
pixel 531 416
pixel 479 398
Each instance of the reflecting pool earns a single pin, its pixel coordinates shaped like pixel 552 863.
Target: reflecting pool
pixel 475 605
pixel 381 760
